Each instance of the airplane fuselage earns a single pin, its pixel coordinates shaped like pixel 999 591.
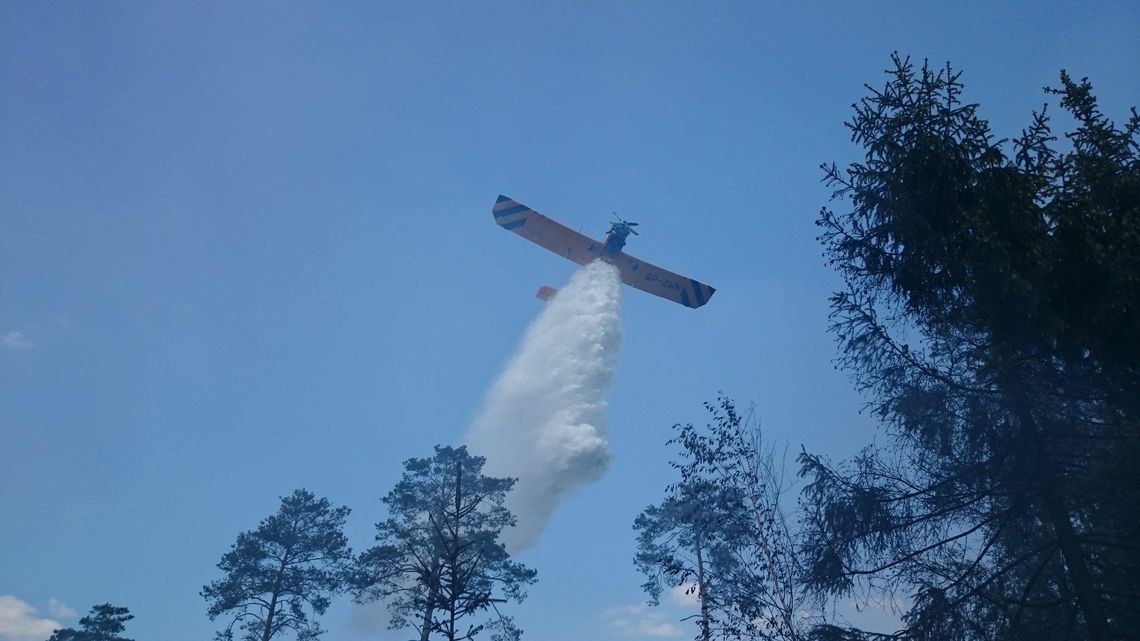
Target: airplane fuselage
pixel 614 242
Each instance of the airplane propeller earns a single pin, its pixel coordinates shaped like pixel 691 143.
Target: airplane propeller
pixel 630 226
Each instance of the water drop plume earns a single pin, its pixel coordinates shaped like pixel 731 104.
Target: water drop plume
pixel 544 419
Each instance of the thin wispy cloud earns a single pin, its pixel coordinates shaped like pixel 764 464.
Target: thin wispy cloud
pixel 59 610
pixel 20 621
pixel 17 340
pixel 639 621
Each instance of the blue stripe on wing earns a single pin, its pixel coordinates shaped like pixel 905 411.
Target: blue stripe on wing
pixel 701 300
pixel 507 211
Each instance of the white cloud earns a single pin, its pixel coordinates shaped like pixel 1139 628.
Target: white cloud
pixel 634 621
pixel 684 595
pixel 17 340
pixel 19 621
pixel 658 629
pixel 880 614
pixel 59 609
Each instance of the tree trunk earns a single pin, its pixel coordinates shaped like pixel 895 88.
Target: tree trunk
pixel 1087 597
pixel 268 630
pixel 706 634
pixel 425 630
pixel 433 594
pixel 1059 517
pixel 453 596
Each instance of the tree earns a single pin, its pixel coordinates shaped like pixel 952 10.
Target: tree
pixel 439 561
pixel 990 314
pixel 105 623
pixel 688 541
pixel 293 562
pixel 721 533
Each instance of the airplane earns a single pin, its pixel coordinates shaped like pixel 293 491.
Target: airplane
pixel 560 239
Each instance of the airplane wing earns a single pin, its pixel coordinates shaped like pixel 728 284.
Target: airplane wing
pixel 662 282
pixel 539 229
pixel 580 248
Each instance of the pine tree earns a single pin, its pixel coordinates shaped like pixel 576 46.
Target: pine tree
pixel 439 563
pixel 290 565
pixel 106 622
pixel 990 313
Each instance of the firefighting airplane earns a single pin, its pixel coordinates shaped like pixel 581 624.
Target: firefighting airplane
pixel 582 249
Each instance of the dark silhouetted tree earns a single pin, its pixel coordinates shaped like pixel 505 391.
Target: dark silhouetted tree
pixel 687 541
pixel 991 314
pixel 106 622
pixel 439 561
pixel 288 567
pixel 721 533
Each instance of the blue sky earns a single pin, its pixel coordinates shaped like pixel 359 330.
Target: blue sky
pixel 247 247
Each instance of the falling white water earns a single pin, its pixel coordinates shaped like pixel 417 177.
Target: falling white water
pixel 544 421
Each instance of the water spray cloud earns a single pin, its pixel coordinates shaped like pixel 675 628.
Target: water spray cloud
pixel 544 420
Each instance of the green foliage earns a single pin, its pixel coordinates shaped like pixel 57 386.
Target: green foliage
pixel 288 567
pixel 991 314
pixel 720 533
pixel 105 623
pixel 439 561
pixel 688 541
